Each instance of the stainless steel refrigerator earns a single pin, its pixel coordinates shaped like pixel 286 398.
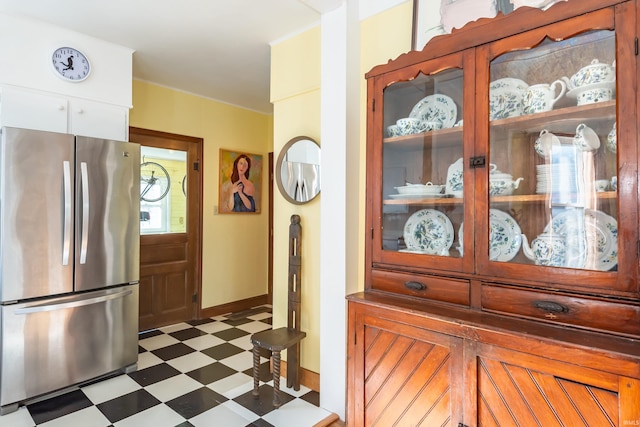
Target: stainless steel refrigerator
pixel 69 261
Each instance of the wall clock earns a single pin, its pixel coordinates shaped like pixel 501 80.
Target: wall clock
pixel 71 64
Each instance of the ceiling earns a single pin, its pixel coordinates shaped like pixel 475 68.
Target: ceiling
pixel 212 48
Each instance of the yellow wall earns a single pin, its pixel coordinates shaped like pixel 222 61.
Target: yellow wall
pixel 235 246
pixel 295 93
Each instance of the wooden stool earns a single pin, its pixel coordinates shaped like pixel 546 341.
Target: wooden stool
pixel 289 337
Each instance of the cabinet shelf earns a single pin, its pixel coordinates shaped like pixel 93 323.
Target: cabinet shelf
pixel 519 198
pixel 563 120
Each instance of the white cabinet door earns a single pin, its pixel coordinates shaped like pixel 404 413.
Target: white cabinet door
pixel 98 120
pixel 32 110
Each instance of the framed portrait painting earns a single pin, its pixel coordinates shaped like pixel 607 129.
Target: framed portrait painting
pixel 240 182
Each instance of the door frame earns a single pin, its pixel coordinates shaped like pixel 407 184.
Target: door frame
pixel 194 189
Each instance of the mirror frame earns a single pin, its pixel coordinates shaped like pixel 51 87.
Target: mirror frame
pixel 278 169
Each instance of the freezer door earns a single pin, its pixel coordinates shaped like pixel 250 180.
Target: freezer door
pixel 107 212
pixel 55 343
pixel 36 213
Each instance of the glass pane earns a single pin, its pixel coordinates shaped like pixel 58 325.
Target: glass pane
pixel 163 202
pixel 553 167
pixel 422 165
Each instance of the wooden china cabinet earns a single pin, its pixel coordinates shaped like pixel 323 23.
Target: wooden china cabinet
pixel 502 226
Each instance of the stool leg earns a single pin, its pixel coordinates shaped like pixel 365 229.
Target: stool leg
pixel 256 371
pixel 276 379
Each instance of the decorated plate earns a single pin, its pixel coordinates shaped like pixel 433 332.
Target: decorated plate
pixel 436 108
pixel 429 231
pixel 581 227
pixel 505 237
pixel 416 196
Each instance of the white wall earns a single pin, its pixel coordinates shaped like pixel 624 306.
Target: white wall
pixel 26 49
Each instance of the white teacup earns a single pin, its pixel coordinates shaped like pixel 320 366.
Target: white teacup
pixel 586 139
pixel 409 125
pixel 541 97
pixel 601 185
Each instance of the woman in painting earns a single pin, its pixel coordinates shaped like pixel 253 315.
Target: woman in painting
pixel 242 190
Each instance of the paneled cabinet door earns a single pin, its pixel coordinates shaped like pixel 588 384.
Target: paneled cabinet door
pixel 31 110
pixel 417 142
pixel 402 375
pixel 99 120
pixel 523 389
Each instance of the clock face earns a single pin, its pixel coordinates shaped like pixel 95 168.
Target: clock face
pixel 71 64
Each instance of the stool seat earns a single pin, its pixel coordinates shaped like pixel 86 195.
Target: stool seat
pixel 277 339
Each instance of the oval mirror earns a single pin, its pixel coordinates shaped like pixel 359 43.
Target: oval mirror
pixel 298 170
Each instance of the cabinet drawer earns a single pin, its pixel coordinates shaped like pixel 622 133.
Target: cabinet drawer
pixel 586 312
pixel 431 287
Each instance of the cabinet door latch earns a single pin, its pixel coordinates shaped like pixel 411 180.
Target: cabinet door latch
pixel 477 162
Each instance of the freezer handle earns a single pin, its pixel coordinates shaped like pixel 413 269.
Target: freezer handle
pixel 84 235
pixel 80 301
pixel 66 232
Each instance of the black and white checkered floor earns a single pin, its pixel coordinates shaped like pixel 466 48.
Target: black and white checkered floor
pixel 190 374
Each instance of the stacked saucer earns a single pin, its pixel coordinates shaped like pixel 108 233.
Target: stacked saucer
pixel 556 178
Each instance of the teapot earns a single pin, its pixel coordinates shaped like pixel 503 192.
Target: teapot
pixel 596 72
pixel 501 184
pixel 548 249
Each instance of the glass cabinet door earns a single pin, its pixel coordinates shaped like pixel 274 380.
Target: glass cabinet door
pixel 421 188
pixel 553 154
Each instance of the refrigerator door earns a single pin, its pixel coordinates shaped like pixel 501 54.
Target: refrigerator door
pixel 50 344
pixel 107 212
pixel 36 214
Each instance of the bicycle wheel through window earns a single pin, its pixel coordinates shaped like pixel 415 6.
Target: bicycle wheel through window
pixel 154 182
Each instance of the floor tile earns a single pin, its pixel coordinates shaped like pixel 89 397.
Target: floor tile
pixel 196 402
pixel 240 361
pixel 153 374
pixel 222 415
pixel 173 328
pixel 186 334
pixel 148 359
pixel 232 386
pixel 127 405
pixel 243 342
pixel 173 387
pixel 172 351
pixel 263 404
pixel 204 341
pixel 260 316
pixel 222 351
pixel 59 406
pixel 210 373
pixel 19 418
pixel 253 327
pixel 190 361
pixel 230 334
pixel 200 321
pixel 213 327
pixel 87 417
pixel 149 334
pixel 238 321
pixel 110 389
pixel 290 414
pixel 156 416
pixel 157 342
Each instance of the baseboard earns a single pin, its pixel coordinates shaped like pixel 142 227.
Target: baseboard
pixel 308 378
pixel 331 421
pixel 234 307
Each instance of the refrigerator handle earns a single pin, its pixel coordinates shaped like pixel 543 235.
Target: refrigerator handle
pixel 84 235
pixel 79 302
pixel 66 231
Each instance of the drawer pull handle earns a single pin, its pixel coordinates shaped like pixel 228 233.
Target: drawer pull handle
pixel 550 306
pixel 415 286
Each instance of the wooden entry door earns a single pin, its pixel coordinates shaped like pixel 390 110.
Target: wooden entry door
pixel 170 260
